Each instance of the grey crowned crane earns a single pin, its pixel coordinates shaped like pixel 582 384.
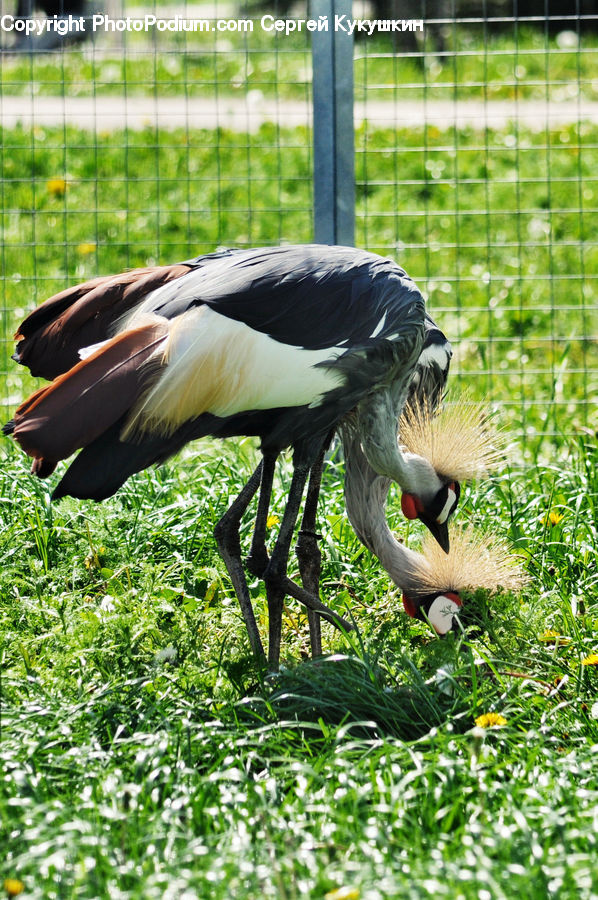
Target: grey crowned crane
pixel 282 343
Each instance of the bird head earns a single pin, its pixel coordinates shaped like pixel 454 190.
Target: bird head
pixel 444 446
pixel 440 610
pixel 434 583
pixel 432 500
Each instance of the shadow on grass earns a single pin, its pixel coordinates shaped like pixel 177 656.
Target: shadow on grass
pixel 356 693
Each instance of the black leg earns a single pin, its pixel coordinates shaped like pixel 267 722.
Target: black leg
pixel 275 576
pixel 258 559
pixel 315 604
pixel 226 533
pixel 273 571
pixel 308 551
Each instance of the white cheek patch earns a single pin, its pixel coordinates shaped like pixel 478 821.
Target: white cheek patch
pixel 448 506
pixel 436 353
pixel 441 613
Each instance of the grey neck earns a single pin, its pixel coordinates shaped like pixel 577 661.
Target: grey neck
pixel 377 428
pixel 365 497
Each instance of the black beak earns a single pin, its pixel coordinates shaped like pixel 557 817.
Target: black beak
pixel 440 532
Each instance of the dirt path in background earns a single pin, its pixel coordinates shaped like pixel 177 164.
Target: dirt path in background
pixel 246 114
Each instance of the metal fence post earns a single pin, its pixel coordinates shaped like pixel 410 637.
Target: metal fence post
pixel 334 141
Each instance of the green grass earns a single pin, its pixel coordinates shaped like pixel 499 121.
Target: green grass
pixel 144 755
pixel 497 228
pixel 498 65
pixel 502 64
pixel 141 72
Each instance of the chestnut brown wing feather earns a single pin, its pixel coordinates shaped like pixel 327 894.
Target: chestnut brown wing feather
pixel 81 404
pixel 50 338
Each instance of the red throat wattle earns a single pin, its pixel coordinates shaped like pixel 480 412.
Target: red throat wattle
pixel 409 606
pixel 411 506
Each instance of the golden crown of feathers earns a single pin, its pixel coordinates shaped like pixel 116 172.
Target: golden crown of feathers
pixel 459 438
pixel 462 441
pixel 474 561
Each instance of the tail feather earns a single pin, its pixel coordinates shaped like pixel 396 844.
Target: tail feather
pixel 81 404
pixel 104 465
pixel 101 468
pixel 50 338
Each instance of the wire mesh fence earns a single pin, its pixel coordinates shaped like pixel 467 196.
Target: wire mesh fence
pixel 137 147
pixel 476 162
pixel 476 151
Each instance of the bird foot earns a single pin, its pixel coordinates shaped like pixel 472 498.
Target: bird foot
pixel 314 603
pixel 276 579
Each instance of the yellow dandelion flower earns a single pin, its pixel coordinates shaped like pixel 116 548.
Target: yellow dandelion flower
pixel 552 518
pixel 490 720
pixel 550 636
pixel 13 887
pixel 271 521
pixel 591 660
pixel 343 893
pixel 56 187
pixel 94 559
pixel 86 248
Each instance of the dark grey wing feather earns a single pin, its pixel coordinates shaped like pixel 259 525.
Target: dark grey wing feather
pixel 311 296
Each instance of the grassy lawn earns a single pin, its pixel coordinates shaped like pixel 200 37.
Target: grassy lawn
pixel 496 64
pixel 143 754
